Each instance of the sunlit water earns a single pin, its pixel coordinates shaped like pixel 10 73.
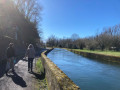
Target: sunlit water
pixel 88 74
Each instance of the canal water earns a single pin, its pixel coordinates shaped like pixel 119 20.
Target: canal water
pixel 87 73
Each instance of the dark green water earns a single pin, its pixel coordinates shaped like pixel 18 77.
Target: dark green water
pixel 88 74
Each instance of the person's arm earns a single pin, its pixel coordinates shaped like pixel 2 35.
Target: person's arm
pixel 26 54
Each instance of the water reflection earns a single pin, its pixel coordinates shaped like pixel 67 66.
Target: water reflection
pixel 87 73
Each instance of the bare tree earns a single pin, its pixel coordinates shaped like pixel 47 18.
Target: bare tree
pixel 52 40
pixel 30 9
pixel 74 36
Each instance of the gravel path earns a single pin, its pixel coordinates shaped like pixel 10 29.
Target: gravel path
pixel 21 79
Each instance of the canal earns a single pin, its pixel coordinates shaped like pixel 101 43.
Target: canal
pixel 87 73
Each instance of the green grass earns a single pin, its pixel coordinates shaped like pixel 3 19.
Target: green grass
pixel 40 83
pixel 111 53
pixel 39 66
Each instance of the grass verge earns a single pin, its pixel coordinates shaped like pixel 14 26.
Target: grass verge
pixel 111 53
pixel 39 66
pixel 40 80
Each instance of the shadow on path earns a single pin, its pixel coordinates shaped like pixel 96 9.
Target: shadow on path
pixel 24 60
pixel 38 76
pixel 18 80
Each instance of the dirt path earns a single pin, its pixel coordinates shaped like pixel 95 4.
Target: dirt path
pixel 21 79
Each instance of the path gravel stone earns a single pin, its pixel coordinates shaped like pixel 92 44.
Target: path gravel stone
pixel 21 79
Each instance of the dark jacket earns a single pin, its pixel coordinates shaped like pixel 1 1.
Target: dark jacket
pixel 10 52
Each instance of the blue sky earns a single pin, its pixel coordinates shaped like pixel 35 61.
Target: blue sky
pixel 63 18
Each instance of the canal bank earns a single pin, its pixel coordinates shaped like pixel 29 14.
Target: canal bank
pixel 56 78
pixel 88 74
pixel 97 56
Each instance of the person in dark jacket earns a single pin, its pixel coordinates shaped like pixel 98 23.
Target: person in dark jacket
pixel 11 56
pixel 30 53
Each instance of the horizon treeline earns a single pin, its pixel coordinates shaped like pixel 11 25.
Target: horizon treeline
pixel 108 39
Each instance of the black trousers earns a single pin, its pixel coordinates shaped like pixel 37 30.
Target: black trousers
pixel 30 63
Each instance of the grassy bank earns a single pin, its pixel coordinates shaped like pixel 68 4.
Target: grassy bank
pixel 39 66
pixel 40 80
pixel 111 53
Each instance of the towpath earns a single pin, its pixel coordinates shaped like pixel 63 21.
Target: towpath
pixel 21 79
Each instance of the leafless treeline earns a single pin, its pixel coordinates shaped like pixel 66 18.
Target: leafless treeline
pixel 21 17
pixel 108 39
pixel 19 20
